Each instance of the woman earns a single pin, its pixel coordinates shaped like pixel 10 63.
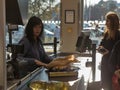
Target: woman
pixel 34 52
pixel 111 36
pixel 114 66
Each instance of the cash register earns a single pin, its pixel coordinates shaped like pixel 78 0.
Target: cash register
pixel 16 67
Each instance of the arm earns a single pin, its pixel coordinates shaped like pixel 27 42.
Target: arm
pixel 102 43
pixel 39 63
pixel 101 48
pixel 30 59
pixel 46 59
pixel 26 44
pixel 114 57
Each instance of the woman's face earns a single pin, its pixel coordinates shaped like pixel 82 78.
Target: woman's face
pixel 37 30
pixel 108 23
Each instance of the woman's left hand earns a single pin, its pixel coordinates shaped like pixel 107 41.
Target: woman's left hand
pixel 102 50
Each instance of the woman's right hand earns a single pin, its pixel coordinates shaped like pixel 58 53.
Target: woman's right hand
pixel 39 63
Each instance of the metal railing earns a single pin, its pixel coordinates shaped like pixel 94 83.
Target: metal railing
pixel 55 42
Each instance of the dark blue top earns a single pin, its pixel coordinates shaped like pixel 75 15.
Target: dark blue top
pixel 34 51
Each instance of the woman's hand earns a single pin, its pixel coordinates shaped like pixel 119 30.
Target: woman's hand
pixel 39 63
pixel 102 50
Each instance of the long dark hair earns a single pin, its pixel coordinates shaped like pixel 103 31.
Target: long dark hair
pixel 32 22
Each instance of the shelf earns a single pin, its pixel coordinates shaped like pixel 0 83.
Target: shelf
pixel 63 74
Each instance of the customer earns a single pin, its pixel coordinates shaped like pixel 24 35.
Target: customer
pixel 111 36
pixel 34 52
pixel 114 66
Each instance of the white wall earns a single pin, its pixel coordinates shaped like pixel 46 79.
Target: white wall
pixel 70 32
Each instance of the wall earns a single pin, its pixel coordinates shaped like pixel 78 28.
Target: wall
pixel 2 46
pixel 70 32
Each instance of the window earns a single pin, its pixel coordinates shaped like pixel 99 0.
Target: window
pixel 94 15
pixel 49 12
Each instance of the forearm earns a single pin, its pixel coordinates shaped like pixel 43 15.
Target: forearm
pixel 39 63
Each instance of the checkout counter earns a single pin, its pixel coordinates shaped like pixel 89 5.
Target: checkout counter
pixel 76 80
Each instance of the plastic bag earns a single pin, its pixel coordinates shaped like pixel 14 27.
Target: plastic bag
pixel 116 82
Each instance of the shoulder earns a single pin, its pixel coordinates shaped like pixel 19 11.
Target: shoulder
pixel 24 40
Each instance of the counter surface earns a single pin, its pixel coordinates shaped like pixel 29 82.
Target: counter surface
pixel 40 74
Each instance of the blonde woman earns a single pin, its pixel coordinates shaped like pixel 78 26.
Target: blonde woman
pixel 111 36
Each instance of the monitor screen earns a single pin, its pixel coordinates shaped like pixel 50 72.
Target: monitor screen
pixel 83 42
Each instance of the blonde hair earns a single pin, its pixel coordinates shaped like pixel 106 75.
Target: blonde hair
pixel 114 24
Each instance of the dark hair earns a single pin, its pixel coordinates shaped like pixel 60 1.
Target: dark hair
pixel 32 22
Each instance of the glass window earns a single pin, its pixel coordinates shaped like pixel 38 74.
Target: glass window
pixel 94 16
pixel 49 12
